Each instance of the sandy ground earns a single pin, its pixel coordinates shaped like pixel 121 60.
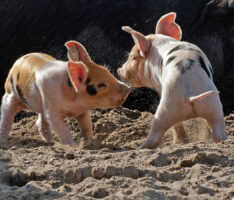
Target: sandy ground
pixel 112 167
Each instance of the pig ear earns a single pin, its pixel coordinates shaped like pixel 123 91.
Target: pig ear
pixel 77 74
pixel 140 40
pixel 76 51
pixel 166 25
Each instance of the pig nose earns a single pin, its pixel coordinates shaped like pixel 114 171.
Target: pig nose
pixel 119 72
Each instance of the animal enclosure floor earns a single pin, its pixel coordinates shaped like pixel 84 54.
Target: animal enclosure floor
pixel 112 167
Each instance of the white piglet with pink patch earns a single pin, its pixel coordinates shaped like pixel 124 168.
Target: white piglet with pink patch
pixel 182 75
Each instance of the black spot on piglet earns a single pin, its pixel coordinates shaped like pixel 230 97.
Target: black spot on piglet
pixel 184 65
pixel 91 90
pixel 179 47
pixel 170 59
pixel 11 80
pixel 18 76
pixel 203 65
pixel 101 85
pixel 21 96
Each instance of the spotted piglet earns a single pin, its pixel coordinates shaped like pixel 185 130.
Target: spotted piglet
pixel 182 75
pixel 57 89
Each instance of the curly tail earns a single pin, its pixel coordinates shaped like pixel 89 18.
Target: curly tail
pixel 201 96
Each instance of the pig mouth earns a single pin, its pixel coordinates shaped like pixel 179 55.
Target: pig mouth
pixel 127 93
pixel 121 76
pixel 126 82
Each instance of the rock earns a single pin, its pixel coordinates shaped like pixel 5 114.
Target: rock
pixel 113 171
pixel 69 156
pixel 99 193
pixel 98 173
pixel 130 171
pixel 127 191
pixel 199 157
pixel 73 176
pixel 66 188
pixel 160 160
pixel 211 157
pixel 205 190
pixel 215 169
pixel 16 177
pixel 85 172
pixel 163 176
pixel 181 189
pixel 108 156
pixel 186 163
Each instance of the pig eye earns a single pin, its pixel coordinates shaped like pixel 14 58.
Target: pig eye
pixel 101 85
pixel 133 57
pixel 140 54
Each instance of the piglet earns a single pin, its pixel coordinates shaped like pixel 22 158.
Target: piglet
pixel 182 75
pixel 56 89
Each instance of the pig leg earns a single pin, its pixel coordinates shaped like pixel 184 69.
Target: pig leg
pixel 180 135
pixel 11 105
pixel 211 110
pixel 56 122
pixel 218 129
pixel 165 117
pixel 155 137
pixel 86 124
pixel 44 128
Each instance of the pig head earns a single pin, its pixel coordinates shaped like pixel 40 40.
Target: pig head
pixel 57 89
pixel 182 75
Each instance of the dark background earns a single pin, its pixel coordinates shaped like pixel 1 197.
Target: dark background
pixel 45 25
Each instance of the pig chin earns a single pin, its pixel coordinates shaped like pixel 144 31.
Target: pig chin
pixel 120 101
pixel 125 80
pixel 122 77
pixel 125 95
pixel 122 74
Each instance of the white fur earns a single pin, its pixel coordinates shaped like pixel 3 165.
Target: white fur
pixel 183 95
pixel 46 98
pixel 180 91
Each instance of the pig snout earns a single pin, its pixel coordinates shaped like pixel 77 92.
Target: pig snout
pixel 122 92
pixel 120 73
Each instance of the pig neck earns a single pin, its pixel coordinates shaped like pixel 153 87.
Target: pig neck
pixel 154 63
pixel 153 71
pixel 68 101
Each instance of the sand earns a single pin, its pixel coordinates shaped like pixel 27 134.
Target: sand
pixel 112 166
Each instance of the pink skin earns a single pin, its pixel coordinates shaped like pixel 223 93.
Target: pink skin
pixel 56 90
pixel 185 93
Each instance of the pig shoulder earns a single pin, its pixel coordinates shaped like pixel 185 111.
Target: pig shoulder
pixel 185 56
pixel 54 84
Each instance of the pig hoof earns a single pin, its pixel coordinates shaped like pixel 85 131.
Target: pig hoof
pixel 145 146
pixel 2 139
pixel 150 145
pixel 46 139
pixel 142 147
pixel 85 142
pixel 180 141
pixel 73 144
pixel 220 139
